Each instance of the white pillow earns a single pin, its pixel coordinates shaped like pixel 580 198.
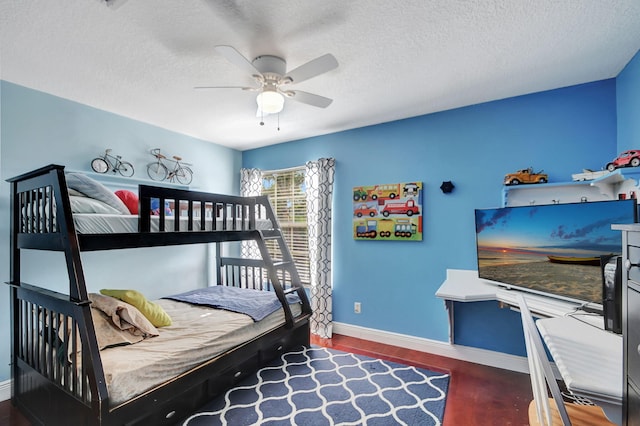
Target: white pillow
pixel 90 205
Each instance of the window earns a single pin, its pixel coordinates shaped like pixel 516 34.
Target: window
pixel 287 193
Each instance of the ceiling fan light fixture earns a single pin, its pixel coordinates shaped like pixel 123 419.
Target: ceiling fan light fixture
pixel 270 102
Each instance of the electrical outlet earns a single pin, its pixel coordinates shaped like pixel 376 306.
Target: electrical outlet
pixel 356 307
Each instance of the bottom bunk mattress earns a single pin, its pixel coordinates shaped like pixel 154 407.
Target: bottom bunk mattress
pixel 196 335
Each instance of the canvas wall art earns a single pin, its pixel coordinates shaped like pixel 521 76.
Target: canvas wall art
pixel 389 212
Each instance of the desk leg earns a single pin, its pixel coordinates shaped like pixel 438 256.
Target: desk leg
pixel 448 304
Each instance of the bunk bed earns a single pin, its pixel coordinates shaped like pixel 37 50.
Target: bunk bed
pixel 61 372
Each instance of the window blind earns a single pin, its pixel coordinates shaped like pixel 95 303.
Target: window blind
pixel 287 193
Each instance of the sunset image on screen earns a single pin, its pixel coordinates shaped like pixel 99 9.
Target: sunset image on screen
pixel 550 248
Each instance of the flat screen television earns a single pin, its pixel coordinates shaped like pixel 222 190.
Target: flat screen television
pixel 552 249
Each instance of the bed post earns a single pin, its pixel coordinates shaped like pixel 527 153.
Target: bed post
pixel 14 282
pixel 44 384
pixel 219 263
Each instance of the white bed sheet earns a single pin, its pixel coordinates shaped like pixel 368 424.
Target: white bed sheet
pixel 197 334
pixel 93 223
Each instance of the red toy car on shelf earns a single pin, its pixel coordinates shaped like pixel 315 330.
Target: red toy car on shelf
pixel 629 158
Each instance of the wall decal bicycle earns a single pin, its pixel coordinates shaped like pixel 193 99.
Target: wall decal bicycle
pixel 159 170
pixel 113 163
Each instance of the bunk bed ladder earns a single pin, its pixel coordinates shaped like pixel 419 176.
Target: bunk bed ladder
pixel 283 272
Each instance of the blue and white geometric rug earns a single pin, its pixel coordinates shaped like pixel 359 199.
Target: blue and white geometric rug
pixel 320 386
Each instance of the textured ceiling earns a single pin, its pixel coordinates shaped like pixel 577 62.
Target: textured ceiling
pixel 398 58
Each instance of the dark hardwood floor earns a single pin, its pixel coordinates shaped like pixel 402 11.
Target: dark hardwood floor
pixel 478 395
pixel 9 415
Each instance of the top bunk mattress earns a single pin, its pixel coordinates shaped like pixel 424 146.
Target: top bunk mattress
pixel 93 223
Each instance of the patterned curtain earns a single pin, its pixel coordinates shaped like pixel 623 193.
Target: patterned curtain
pixel 319 182
pixel 250 186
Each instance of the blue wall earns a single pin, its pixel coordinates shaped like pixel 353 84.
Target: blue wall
pixel 38 129
pixel 561 131
pixel 628 104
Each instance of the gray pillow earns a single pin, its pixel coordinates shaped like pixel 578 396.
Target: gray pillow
pixel 94 189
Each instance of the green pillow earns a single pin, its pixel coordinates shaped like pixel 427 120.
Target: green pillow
pixel 152 311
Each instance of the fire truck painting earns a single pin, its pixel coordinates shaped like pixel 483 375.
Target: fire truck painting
pixel 389 212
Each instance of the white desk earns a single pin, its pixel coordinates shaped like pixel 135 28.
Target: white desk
pixel 589 360
pixel 465 286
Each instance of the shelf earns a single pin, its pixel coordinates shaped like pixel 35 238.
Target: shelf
pixel 608 187
pixel 617 176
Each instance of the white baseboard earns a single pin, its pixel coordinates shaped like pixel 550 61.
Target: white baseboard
pixel 463 353
pixel 5 390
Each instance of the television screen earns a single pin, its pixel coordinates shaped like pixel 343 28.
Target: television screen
pixel 553 249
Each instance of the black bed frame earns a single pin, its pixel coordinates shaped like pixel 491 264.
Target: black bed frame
pixel 48 388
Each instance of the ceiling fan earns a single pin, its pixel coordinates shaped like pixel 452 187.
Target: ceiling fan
pixel 274 81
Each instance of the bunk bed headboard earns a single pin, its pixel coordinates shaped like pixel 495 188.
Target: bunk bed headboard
pixel 38 200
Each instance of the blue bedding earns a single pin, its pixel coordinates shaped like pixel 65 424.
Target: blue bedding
pixel 255 303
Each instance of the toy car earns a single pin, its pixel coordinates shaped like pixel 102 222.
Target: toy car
pixel 525 176
pixel 359 194
pixel 629 158
pixel 364 210
pixel 408 207
pixel 588 174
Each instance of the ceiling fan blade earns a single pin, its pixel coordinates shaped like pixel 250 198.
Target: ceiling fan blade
pixel 313 68
pixel 309 98
pixel 225 87
pixel 236 58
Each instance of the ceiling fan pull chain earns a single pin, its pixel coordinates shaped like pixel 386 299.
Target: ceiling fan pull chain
pixel 261 114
